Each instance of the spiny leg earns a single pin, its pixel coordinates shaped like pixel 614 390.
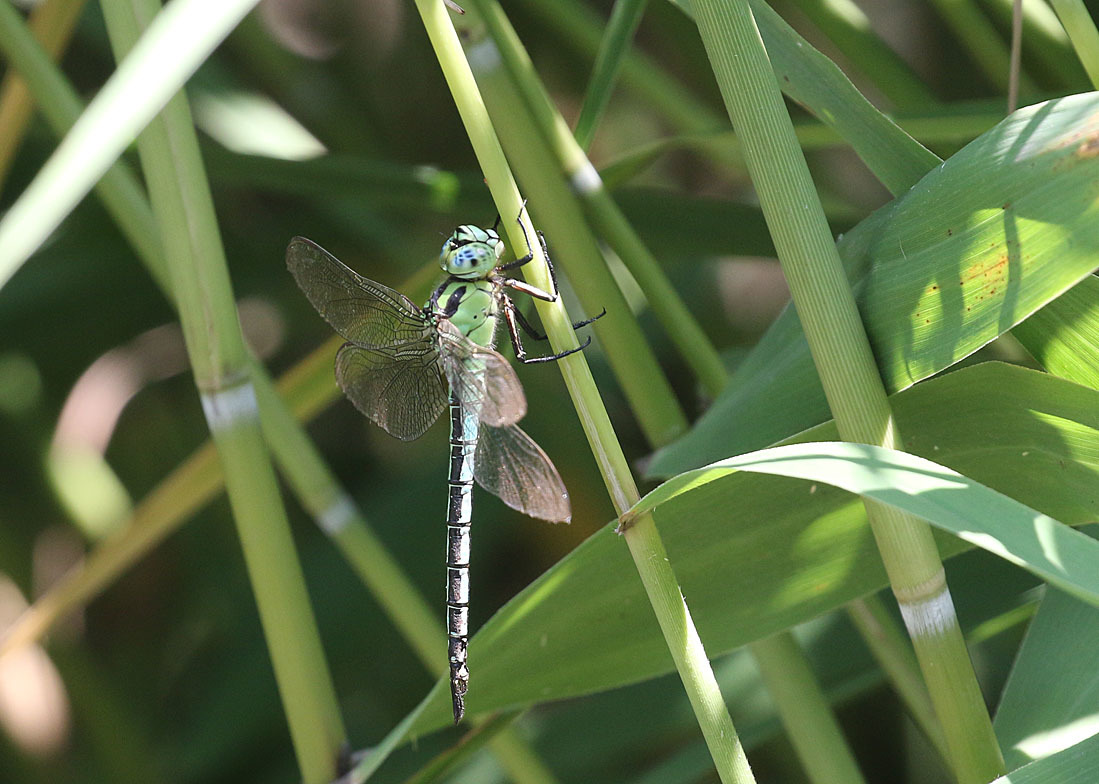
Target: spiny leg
pixel 545 296
pixel 533 332
pixel 511 315
pixel 519 262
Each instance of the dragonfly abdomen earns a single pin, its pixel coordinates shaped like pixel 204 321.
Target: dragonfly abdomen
pixel 463 445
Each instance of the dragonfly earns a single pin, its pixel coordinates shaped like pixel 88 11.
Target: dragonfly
pixel 402 365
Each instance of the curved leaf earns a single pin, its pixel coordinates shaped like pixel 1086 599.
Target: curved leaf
pixel 950 501
pixel 756 554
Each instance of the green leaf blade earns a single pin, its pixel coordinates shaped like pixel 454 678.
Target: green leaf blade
pixel 757 554
pixel 982 242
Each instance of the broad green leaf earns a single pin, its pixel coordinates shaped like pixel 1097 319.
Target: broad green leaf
pixel 1051 701
pixel 176 42
pixel 1061 555
pixel 979 244
pixel 756 554
pixel 1075 765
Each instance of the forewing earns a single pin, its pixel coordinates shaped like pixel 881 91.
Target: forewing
pixel 399 388
pixel 361 310
pixel 512 467
pixel 480 378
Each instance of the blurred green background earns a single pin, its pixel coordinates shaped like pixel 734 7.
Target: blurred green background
pixel 165 677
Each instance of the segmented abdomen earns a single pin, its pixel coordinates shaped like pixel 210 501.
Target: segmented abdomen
pixel 463 444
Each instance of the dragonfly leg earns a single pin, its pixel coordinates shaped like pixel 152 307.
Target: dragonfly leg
pixel 519 262
pixel 529 290
pixel 549 261
pixel 585 322
pixel 533 332
pixel 512 316
pixel 529 328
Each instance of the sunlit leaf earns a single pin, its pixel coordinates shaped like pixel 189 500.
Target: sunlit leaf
pixel 982 242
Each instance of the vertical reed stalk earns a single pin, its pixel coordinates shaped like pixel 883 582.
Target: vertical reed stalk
pixel 201 286
pixel 828 313
pixel 810 724
pixel 893 653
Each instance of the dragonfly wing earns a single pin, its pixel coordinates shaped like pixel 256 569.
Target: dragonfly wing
pixel 512 467
pixel 399 388
pixel 481 378
pixel 361 310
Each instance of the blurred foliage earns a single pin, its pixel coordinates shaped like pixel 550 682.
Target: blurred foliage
pixel 166 673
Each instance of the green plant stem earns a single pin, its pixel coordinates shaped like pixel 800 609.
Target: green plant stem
pixel 804 710
pixel 641 538
pixel 827 310
pixel 52 23
pixel 625 17
pixel 1081 31
pixel 547 124
pixel 892 651
pixel 200 282
pixel 1016 56
pixel 847 27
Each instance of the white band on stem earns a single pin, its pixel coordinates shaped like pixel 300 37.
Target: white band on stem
pixel 483 56
pixel 931 616
pixel 337 514
pixel 586 179
pixel 226 407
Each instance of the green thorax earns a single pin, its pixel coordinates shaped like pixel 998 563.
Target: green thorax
pixel 477 309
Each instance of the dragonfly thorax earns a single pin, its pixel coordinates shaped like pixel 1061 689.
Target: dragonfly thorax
pixel 472 307
pixel 471 252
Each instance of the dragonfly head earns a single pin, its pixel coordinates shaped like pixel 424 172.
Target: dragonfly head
pixel 471 252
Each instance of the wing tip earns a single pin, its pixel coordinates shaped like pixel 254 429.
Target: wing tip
pixel 567 517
